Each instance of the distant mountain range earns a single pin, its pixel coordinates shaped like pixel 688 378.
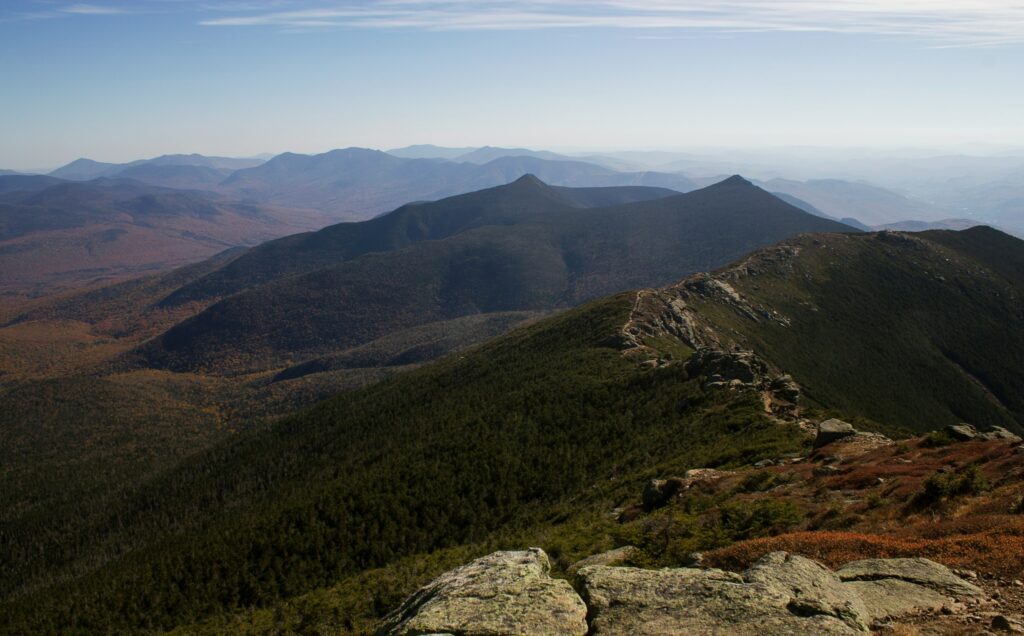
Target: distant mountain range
pixel 87 169
pixel 298 192
pixel 868 204
pixel 356 184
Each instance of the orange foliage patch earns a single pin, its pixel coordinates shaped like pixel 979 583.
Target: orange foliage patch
pixel 992 545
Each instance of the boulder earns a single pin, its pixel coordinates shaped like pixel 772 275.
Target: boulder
pixel 1000 433
pixel 781 594
pixel 813 589
pixel 618 556
pixel 962 432
pixel 832 430
pixel 1007 624
pixel 658 492
pixel 922 572
pixel 888 599
pixel 504 593
pixel 723 367
pixel 785 387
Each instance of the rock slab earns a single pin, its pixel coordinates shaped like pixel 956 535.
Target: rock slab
pixel 780 594
pixel 501 594
pixel 833 430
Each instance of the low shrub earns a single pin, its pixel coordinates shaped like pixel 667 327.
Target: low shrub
pixel 941 486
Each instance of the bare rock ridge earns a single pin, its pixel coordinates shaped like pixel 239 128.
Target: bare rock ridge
pixel 718 359
pixel 511 593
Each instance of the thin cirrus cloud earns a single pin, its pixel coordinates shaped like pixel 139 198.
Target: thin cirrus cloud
pixel 951 22
pixel 90 9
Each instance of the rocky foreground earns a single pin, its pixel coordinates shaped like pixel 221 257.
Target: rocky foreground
pixel 513 593
pixel 914 494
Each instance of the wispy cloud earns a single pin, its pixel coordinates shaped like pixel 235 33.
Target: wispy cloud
pixel 90 9
pixel 957 22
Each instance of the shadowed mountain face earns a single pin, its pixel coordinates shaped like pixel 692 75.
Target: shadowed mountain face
pixel 58 234
pixel 521 247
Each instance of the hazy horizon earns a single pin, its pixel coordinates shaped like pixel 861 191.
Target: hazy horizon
pixel 117 81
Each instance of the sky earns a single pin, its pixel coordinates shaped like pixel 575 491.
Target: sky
pixel 119 80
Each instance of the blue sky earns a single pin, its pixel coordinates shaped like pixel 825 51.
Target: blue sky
pixel 119 80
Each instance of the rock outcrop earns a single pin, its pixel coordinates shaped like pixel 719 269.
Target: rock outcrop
pixel 923 572
pixel 832 430
pixel 962 432
pixel 659 492
pixel 893 588
pixel 998 432
pixel 617 557
pixel 718 360
pixel 505 593
pixel 967 433
pixel 781 594
pixel 509 593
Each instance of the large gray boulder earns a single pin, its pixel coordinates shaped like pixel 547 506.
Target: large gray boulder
pixel 888 599
pixel 894 588
pixel 923 572
pixel 781 594
pixel 812 588
pixel 502 594
pixel 962 432
pixel 832 430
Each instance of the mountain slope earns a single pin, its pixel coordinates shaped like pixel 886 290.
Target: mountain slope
pixel 916 330
pixel 440 456
pixel 514 248
pixel 502 206
pixel 535 436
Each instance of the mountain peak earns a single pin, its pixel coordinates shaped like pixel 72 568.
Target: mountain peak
pixel 531 180
pixel 735 180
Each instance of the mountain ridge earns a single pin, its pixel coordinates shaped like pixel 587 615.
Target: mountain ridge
pixel 439 257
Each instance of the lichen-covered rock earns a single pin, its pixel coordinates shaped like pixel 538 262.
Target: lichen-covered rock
pixel 887 599
pixel 832 430
pixel 1000 433
pixel 618 556
pixel 502 594
pixel 813 589
pixel 922 572
pixel 962 432
pixel 782 594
